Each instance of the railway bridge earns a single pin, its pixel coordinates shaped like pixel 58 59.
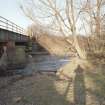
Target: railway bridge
pixel 9 31
pixel 13 41
pixel 13 44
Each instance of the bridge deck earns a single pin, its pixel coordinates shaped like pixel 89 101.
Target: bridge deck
pixel 11 31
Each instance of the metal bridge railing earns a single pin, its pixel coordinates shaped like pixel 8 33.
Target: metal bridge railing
pixel 10 26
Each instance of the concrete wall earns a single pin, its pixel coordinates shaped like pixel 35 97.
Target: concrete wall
pixel 13 57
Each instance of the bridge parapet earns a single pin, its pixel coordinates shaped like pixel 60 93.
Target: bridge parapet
pixel 11 31
pixel 10 26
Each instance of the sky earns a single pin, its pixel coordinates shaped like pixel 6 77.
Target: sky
pixel 10 10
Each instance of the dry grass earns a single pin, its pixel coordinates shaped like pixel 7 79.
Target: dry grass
pixel 56 45
pixel 78 86
pixel 91 48
pixel 88 81
pixel 38 90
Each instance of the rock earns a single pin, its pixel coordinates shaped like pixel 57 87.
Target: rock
pixel 17 99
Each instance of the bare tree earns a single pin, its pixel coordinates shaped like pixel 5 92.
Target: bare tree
pixel 94 10
pixel 63 17
pixel 66 17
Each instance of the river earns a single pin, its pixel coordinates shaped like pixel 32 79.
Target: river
pixel 43 63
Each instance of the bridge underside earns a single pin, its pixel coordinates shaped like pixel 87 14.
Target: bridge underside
pixel 14 48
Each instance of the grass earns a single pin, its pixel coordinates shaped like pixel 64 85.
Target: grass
pixel 97 89
pixel 56 45
pixel 73 85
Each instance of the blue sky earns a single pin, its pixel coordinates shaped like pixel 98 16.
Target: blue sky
pixel 10 10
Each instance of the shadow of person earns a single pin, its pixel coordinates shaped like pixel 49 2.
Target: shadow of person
pixel 79 87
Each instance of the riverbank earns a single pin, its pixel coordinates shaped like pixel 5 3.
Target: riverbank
pixel 82 87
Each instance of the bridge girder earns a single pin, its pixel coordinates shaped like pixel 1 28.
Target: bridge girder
pixel 6 36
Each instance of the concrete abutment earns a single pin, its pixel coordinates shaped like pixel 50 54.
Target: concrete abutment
pixel 12 56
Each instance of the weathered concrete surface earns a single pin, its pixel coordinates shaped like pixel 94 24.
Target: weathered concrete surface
pixel 13 57
pixel 3 60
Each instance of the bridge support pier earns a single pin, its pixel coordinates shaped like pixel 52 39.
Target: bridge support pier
pixel 14 57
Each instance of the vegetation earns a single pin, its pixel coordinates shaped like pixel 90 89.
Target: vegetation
pixel 70 19
pixel 80 87
pixel 59 27
pixel 69 28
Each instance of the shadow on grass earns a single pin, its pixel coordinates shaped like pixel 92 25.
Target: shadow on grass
pixel 79 90
pixel 79 87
